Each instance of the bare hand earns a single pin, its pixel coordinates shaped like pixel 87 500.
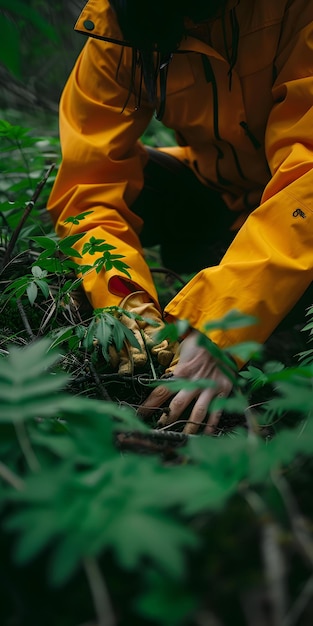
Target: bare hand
pixel 195 363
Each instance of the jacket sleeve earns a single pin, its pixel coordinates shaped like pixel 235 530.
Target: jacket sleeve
pixel 102 167
pixel 269 265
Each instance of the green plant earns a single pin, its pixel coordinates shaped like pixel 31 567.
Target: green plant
pixel 153 518
pixel 25 161
pixel 108 517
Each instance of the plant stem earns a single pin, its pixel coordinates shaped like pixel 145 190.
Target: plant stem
pixel 26 447
pixel 95 375
pixel 100 595
pixel 9 477
pixel 292 617
pixel 24 317
pixel 29 208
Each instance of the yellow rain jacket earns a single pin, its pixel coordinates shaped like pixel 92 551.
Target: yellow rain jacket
pixel 241 106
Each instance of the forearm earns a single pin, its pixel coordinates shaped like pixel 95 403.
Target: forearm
pixel 101 171
pixel 265 271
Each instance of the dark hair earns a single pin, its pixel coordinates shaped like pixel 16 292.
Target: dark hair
pixel 158 26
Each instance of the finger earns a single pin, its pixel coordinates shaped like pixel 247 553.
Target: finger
pixel 212 422
pixel 155 400
pixel 214 417
pixel 199 413
pixel 139 355
pixel 177 406
pixel 164 355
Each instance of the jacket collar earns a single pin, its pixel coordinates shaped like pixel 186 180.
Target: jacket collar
pixel 97 20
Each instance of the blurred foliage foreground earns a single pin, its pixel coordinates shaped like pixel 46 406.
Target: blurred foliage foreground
pixel 106 520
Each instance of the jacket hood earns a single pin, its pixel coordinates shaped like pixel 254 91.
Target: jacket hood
pixel 98 20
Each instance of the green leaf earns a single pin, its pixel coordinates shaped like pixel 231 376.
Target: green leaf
pixel 11 131
pixel 130 337
pixel 182 383
pixel 103 333
pixel 245 351
pixel 96 245
pixel 71 252
pixel 37 272
pixel 107 264
pixel 232 319
pixel 165 601
pixel 77 218
pixel 90 334
pixel 17 287
pixel 138 534
pixel 61 335
pixel 121 267
pixel 66 244
pixel 43 286
pixel 27 387
pixel 49 245
pixel 119 334
pixel 32 292
pixel 173 332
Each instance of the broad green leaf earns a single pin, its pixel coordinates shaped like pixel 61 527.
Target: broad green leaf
pixel 232 319
pixel 103 333
pixel 122 267
pixel 60 336
pixel 32 292
pixel 49 245
pixel 118 334
pixel 173 332
pixel 130 337
pixel 43 286
pixel 37 272
pixel 135 535
pixel 28 362
pixel 245 351
pixel 96 245
pixel 68 242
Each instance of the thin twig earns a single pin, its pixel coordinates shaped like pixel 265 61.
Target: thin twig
pixel 9 477
pixel 48 315
pixel 99 592
pixel 292 617
pixel 29 207
pixel 252 422
pixel 166 270
pixel 274 570
pixel 95 375
pixel 24 318
pixel 302 534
